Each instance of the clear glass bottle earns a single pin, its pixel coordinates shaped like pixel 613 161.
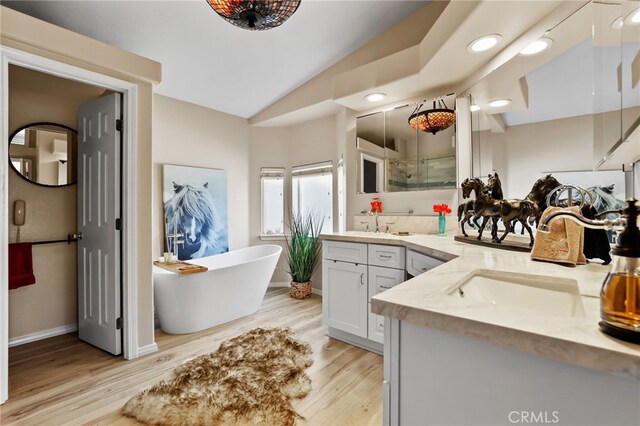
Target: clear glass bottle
pixel 620 295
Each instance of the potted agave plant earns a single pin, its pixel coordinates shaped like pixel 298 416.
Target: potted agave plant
pixel 302 253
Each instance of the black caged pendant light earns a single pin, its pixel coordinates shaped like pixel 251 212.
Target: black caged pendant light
pixel 255 15
pixel 433 120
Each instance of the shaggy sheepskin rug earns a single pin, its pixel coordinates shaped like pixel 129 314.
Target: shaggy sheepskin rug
pixel 251 379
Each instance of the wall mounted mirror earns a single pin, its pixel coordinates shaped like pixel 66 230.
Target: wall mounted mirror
pixel 395 157
pixel 569 105
pixel 44 153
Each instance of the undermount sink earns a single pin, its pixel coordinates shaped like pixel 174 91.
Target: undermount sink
pixel 544 294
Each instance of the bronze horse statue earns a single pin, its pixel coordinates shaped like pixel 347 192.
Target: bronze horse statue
pixel 493 189
pixel 528 210
pixel 484 206
pixel 515 210
pixel 538 194
pixel 489 204
pixel 465 210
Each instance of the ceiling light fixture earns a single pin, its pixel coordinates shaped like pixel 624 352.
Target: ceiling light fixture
pixel 618 23
pixel 499 103
pixel 484 43
pixel 375 97
pixel 255 15
pixel 537 46
pixel 433 120
pixel 474 108
pixel 633 18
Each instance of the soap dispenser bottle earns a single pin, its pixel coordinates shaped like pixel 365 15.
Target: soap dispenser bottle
pixel 620 296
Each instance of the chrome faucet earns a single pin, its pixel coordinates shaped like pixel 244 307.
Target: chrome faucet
pixel 606 224
pixel 375 214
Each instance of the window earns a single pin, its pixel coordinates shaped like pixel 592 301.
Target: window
pixel 312 187
pixel 272 182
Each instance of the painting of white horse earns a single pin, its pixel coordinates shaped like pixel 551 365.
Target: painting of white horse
pixel 195 210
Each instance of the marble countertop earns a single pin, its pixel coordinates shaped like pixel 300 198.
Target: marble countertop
pixel 423 300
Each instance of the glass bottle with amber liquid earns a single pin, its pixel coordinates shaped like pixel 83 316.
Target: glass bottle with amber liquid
pixel 620 296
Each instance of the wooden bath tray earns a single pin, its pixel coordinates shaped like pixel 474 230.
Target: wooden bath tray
pixel 180 267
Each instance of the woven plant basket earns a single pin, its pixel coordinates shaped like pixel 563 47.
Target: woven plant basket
pixel 300 290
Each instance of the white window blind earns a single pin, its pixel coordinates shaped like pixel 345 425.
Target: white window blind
pixel 272 184
pixel 312 192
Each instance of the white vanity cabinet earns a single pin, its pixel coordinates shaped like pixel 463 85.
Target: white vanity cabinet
pixel 418 263
pixel 344 294
pixel 352 273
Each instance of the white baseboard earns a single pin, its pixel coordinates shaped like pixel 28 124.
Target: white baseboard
pixel 317 291
pixel 44 334
pixel 149 349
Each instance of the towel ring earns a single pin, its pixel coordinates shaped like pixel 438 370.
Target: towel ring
pixel 553 198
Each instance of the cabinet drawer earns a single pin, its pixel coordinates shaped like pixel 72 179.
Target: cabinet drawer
pixel 376 327
pixel 417 263
pixel 345 252
pixel 387 256
pixel 381 279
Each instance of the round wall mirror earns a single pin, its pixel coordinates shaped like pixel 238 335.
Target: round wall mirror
pixel 44 153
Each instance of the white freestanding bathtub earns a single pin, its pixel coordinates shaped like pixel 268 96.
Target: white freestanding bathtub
pixel 233 287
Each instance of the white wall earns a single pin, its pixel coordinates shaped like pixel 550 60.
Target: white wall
pixel 269 148
pixel 50 212
pixel 190 135
pixel 309 142
pixel 524 152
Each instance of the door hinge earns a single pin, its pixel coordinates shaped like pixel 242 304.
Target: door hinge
pixel 119 125
pixel 119 323
pixel 118 224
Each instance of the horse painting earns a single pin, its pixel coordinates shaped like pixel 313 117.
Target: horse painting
pixel 192 214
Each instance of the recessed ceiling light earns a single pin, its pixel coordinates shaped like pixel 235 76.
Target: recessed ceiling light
pixel 633 18
pixel 375 97
pixel 474 108
pixel 499 103
pixel 618 23
pixel 484 43
pixel 537 46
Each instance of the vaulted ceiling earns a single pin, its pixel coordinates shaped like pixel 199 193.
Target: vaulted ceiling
pixel 209 62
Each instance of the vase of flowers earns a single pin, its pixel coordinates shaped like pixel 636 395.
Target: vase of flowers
pixel 442 210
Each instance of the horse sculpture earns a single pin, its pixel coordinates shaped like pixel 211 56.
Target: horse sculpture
pixel 465 210
pixel 538 194
pixel 515 210
pixel 484 205
pixel 191 212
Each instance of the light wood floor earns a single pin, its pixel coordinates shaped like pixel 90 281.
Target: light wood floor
pixel 62 380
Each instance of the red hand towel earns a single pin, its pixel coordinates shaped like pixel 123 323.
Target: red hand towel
pixel 20 266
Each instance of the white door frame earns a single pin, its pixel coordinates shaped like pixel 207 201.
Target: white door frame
pixel 129 194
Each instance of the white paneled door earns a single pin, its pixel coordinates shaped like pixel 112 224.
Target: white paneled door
pixel 99 222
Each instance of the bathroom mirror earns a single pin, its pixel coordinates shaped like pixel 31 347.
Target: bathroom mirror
pixel 570 106
pixel 395 157
pixel 44 153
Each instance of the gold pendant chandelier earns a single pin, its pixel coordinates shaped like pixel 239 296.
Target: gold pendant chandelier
pixel 433 120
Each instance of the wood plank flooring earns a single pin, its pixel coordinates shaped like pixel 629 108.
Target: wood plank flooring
pixel 63 381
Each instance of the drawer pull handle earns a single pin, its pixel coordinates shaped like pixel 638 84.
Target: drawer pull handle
pixel 381 326
pixel 362 279
pixel 383 286
pixel 424 269
pixel 384 256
